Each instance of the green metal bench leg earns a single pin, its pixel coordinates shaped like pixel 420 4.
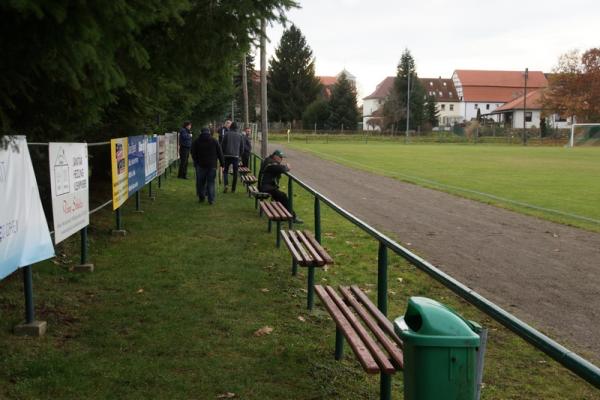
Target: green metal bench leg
pixel 278 234
pixel 311 287
pixel 339 344
pixel 294 267
pixel 269 226
pixel 385 387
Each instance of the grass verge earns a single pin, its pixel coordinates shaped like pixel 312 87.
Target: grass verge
pixel 172 309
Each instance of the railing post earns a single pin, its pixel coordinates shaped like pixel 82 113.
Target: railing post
pixel 385 386
pixel 339 344
pixel 382 278
pixel 138 202
pixel 150 190
pixel 254 164
pixel 119 231
pixel 291 199
pixel 317 219
pixel 84 266
pixel 159 181
pixel 30 327
pixel 311 288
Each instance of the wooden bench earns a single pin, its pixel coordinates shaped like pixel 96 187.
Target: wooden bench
pixel 244 170
pixel 253 192
pixel 370 334
pixel 306 252
pixel 248 179
pixel 275 211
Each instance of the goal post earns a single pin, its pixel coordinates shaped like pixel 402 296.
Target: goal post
pixel 595 136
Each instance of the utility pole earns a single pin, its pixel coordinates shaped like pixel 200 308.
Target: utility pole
pixel 525 109
pixel 263 88
pixel 408 104
pixel 245 92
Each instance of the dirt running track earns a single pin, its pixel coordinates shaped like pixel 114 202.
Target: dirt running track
pixel 546 274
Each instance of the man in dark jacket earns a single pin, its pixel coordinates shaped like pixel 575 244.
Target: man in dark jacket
pixel 268 180
pixel 205 153
pixel 185 143
pixel 233 147
pixel 247 147
pixel 223 130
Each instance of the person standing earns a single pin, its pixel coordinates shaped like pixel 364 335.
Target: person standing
pixel 268 180
pixel 185 144
pixel 233 148
pixel 247 147
pixel 205 153
pixel 223 130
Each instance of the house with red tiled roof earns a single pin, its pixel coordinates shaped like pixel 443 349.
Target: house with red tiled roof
pixel 488 90
pixel 373 104
pixel 530 108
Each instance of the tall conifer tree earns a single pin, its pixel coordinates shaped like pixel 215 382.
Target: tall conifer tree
pixel 343 111
pixel 292 81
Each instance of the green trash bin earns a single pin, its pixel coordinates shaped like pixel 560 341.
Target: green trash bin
pixel 440 352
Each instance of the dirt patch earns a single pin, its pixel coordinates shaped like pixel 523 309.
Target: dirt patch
pixel 544 273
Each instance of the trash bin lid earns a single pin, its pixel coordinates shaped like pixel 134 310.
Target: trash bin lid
pixel 430 323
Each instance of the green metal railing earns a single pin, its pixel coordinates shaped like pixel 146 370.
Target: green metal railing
pixel 570 360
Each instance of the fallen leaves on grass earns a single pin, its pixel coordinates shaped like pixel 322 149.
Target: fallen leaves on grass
pixel 265 330
pixel 227 395
pixel 301 318
pixel 140 291
pixel 264 290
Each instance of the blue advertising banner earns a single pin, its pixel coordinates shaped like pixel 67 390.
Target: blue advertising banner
pixel 137 166
pixel 24 235
pixel 151 157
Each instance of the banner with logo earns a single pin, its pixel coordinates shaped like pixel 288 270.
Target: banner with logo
pixel 69 188
pixel 24 235
pixel 162 154
pixel 120 176
pixel 151 157
pixel 135 163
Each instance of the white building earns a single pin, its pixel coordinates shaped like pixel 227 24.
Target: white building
pixel 513 112
pixel 446 99
pixel 488 90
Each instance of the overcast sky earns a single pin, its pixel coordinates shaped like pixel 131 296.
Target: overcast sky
pixel 367 37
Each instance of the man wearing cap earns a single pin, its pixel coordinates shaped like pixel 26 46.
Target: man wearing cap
pixel 205 153
pixel 268 179
pixel 185 143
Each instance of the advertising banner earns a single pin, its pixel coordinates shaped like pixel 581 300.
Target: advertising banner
pixel 162 154
pixel 136 167
pixel 172 147
pixel 120 176
pixel 151 157
pixel 69 188
pixel 24 235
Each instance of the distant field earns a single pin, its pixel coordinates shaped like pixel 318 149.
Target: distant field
pixel 555 183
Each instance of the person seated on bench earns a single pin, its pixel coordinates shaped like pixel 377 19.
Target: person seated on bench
pixel 268 180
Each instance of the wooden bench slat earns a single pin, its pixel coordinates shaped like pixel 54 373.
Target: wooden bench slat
pixel 360 350
pixel 290 245
pixel 315 254
pixel 266 209
pixel 318 247
pixel 380 357
pixel 284 214
pixel 274 214
pixel 381 319
pixel 388 344
pixel 307 260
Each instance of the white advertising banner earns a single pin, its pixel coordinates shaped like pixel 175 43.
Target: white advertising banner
pixel 151 158
pixel 70 188
pixel 24 235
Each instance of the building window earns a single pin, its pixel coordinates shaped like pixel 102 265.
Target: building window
pixel 444 83
pixel 528 115
pixel 451 107
pixel 476 106
pixel 443 106
pixel 487 106
pixel 441 94
pixel 560 118
pixel 449 94
pixel 430 83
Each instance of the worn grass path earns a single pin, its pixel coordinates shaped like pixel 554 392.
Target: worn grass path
pixel 171 311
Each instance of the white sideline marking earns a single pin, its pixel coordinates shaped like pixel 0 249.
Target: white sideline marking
pixel 443 185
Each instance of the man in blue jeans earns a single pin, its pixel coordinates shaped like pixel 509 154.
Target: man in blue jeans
pixel 205 153
pixel 233 148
